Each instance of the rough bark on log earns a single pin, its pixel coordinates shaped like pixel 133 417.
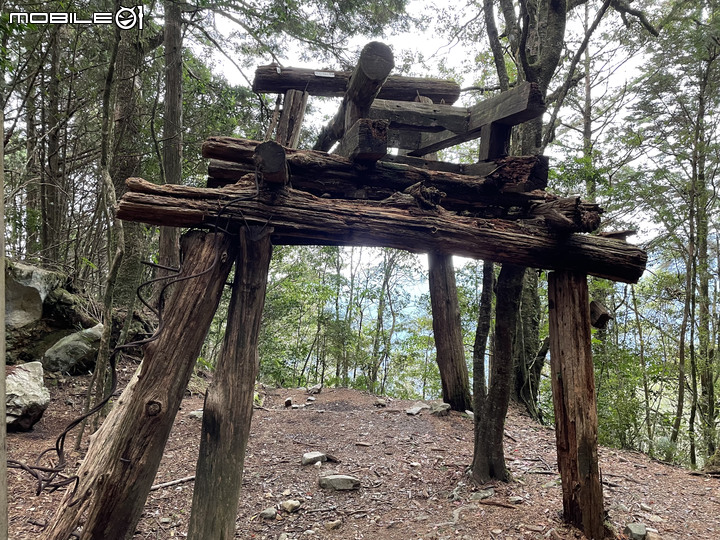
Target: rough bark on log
pixel 574 401
pixel 301 218
pixel 270 164
pixel 328 83
pixel 321 173
pixel 373 68
pixel 117 473
pixel 229 399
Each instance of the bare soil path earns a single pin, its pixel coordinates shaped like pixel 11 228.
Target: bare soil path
pixel 412 469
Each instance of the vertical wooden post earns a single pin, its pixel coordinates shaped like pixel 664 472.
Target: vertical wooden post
pixel 124 455
pixel 229 400
pixel 573 386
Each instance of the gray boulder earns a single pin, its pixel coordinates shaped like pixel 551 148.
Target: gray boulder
pixel 26 288
pixel 75 352
pixel 635 531
pixel 26 396
pixel 339 482
pixel 440 409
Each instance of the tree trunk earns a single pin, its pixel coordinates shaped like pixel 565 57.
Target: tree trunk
pixel 528 357
pixel 3 403
pixel 229 400
pixel 124 455
pixel 447 330
pixel 574 400
pixel 172 122
pixel 489 456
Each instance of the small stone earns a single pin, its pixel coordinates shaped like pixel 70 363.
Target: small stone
pixel 635 531
pixel 269 513
pixel 482 494
pixel 470 414
pixel 309 532
pixel 310 398
pixel 440 409
pixel 497 531
pixel 296 406
pixel 287 493
pixel 650 535
pixel 645 507
pixel 339 482
pixel 196 414
pixel 315 389
pixel 284 536
pixel 379 402
pixel 309 458
pixel 535 528
pixel 415 464
pixel 290 506
pixel 288 402
pixel 515 499
pixel 165 521
pixel 333 525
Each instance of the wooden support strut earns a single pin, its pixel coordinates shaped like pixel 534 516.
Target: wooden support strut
pixel 573 388
pixel 124 455
pixel 300 218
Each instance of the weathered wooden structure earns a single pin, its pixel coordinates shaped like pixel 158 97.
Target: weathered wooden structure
pixel 268 193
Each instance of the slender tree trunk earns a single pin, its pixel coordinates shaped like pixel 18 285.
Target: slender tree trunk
pixel 173 120
pixel 3 428
pixel 489 457
pixel 229 400
pixel 643 367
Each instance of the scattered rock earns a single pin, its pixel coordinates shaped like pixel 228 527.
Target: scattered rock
pixel 315 389
pixel 470 414
pixel 339 482
pixel 295 406
pixel 645 507
pixel 415 409
pixel 482 494
pixel 26 396
pixel 284 536
pixel 198 413
pixel 74 353
pixel 291 505
pixel 635 531
pixel 535 528
pixel 516 499
pixel 311 398
pixel 288 402
pixel 497 531
pixel 380 402
pixel 165 521
pixel 440 409
pixel 26 288
pixel 650 535
pixel 313 457
pixel 333 525
pixel 269 513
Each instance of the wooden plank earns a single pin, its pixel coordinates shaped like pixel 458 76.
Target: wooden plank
pixel 301 218
pixel 421 116
pixel 330 83
pixel 116 474
pixel 373 68
pixel 573 386
pixel 522 103
pixel 228 407
pixel 365 141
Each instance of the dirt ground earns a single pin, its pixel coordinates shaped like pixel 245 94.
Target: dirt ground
pixel 413 471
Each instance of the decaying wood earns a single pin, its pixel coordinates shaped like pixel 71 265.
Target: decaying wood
pixel 116 475
pixel 301 218
pixel 293 112
pixel 229 400
pixel 599 315
pixel 270 164
pixel 328 83
pixel 365 141
pixel 522 103
pixel 320 173
pixel 421 116
pixel 373 68
pixel 574 401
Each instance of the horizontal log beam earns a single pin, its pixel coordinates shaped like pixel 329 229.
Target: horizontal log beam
pixel 301 218
pixel 518 105
pixel 329 83
pixel 421 116
pixel 321 173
